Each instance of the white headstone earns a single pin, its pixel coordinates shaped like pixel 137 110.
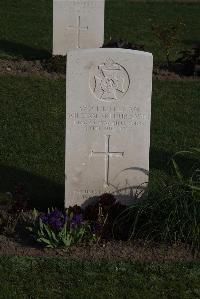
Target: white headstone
pixel 77 24
pixel 108 111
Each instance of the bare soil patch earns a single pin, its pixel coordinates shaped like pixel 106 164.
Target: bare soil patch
pixel 163 74
pixel 27 68
pixel 49 69
pixel 110 251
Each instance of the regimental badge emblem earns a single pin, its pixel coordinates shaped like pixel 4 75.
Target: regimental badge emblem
pixel 110 81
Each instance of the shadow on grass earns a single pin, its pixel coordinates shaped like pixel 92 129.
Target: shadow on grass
pixel 191 42
pixel 42 192
pixel 159 159
pixel 22 50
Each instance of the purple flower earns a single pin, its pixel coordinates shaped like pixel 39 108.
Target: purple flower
pixel 56 214
pixel 56 224
pixel 44 218
pixel 55 219
pixel 76 220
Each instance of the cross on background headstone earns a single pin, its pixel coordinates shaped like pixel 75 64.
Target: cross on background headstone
pixel 79 29
pixel 107 154
pixel 77 24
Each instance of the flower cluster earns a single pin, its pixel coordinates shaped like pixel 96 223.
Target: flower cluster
pixel 56 219
pixel 74 225
pixel 60 228
pixel 76 220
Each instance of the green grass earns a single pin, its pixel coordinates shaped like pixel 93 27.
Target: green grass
pixel 32 136
pixel 174 123
pixel 26 25
pixel 33 132
pixel 25 28
pixel 59 278
pixel 133 21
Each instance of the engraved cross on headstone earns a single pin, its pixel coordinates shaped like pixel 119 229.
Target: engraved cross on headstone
pixel 79 29
pixel 107 154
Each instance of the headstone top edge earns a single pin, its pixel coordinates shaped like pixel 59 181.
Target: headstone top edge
pixel 109 50
pixel 79 0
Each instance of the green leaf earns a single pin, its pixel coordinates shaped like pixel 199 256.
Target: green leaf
pixel 48 230
pixel 195 149
pixel 71 215
pixel 63 232
pixel 67 240
pixel 41 224
pixel 177 171
pixel 29 228
pixel 54 237
pixel 195 188
pixel 44 240
pixel 35 214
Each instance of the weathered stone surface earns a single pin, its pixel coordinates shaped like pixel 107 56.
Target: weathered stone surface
pixel 77 24
pixel 108 111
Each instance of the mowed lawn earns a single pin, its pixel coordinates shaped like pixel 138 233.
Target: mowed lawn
pixel 60 278
pixel 33 132
pixel 26 25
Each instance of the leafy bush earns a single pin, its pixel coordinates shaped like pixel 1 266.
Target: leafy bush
pixel 102 215
pixel 168 36
pixel 60 229
pixel 190 59
pixel 173 214
pixel 15 204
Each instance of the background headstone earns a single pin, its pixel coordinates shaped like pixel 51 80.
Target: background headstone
pixel 77 24
pixel 108 110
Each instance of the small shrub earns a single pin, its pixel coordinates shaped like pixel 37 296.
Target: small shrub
pixel 190 59
pixel 168 36
pixel 102 215
pixel 16 204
